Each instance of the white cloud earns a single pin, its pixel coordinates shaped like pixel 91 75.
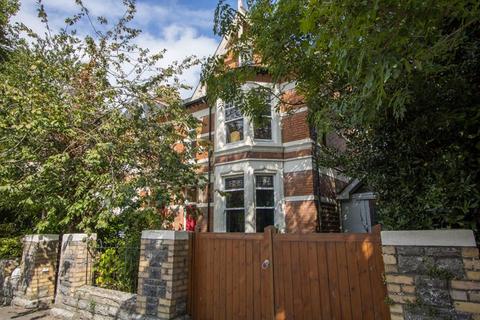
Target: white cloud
pixel 172 27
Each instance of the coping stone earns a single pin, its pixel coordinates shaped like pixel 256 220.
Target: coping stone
pixel 77 237
pixel 40 237
pixel 164 235
pixel 434 238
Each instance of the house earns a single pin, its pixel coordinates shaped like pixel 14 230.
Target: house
pixel 262 176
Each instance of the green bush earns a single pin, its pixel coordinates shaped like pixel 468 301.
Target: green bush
pixel 10 248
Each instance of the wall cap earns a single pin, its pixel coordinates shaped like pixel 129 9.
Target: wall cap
pixel 40 237
pixel 164 235
pixel 78 237
pixel 434 238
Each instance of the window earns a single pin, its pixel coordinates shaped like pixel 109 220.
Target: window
pixel 264 200
pixel 235 209
pixel 233 123
pixel 264 131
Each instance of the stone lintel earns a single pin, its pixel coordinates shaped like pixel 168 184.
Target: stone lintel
pixel 40 237
pixel 429 238
pixel 164 235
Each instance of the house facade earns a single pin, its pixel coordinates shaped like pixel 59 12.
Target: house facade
pixel 262 176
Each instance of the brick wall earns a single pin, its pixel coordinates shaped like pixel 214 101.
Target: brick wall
pixel 295 127
pixel 330 217
pixel 300 216
pixel 36 285
pixel 432 274
pixel 298 183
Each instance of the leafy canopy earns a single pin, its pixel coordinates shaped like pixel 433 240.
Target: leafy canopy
pixel 91 128
pixel 398 80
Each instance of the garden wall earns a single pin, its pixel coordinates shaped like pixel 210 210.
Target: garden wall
pixel 7 284
pixel 432 274
pixel 162 286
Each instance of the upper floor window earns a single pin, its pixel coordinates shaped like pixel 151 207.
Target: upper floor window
pixel 264 202
pixel 264 130
pixel 235 207
pixel 233 123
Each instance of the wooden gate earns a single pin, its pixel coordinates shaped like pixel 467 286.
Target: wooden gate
pixel 287 276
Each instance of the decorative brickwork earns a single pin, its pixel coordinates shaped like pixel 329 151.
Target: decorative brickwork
pixel 36 285
pixel 432 280
pixel 163 274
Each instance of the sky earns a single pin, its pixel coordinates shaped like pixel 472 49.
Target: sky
pixel 182 27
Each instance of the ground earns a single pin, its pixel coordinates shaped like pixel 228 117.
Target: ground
pixel 23 314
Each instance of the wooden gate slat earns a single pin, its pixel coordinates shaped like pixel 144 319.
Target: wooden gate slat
pixel 305 280
pixel 364 278
pixel 229 280
pixel 279 283
pixel 257 289
pixel 344 286
pixel 249 278
pixel 324 277
pixel 296 281
pixel 333 281
pixel 355 297
pixel 316 309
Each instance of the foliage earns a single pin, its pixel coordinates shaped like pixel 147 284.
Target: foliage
pixel 398 80
pixel 10 248
pixel 111 271
pixel 91 128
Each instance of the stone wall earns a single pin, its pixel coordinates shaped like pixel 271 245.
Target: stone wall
pixel 36 284
pixel 89 302
pixel 163 274
pixel 6 283
pixel 432 274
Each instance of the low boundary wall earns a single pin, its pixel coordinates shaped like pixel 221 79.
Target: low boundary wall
pixel 432 274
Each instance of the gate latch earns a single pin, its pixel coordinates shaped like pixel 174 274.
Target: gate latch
pixel 265 264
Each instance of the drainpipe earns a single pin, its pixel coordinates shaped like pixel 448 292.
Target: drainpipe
pixel 209 163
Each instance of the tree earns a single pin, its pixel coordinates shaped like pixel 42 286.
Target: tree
pixel 92 130
pixel 398 80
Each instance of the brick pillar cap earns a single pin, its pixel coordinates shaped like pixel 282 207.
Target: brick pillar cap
pixel 433 238
pixel 40 237
pixel 165 235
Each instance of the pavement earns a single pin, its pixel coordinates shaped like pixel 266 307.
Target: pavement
pixel 14 313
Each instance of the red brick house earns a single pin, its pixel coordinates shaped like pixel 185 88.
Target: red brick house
pixel 262 176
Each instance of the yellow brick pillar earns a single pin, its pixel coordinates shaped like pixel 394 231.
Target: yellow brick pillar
pixel 76 263
pixel 36 284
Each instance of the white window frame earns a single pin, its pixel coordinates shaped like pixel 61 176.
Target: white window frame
pixel 272 188
pixel 233 190
pixel 232 106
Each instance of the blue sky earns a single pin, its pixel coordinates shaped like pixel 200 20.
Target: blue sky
pixel 183 27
